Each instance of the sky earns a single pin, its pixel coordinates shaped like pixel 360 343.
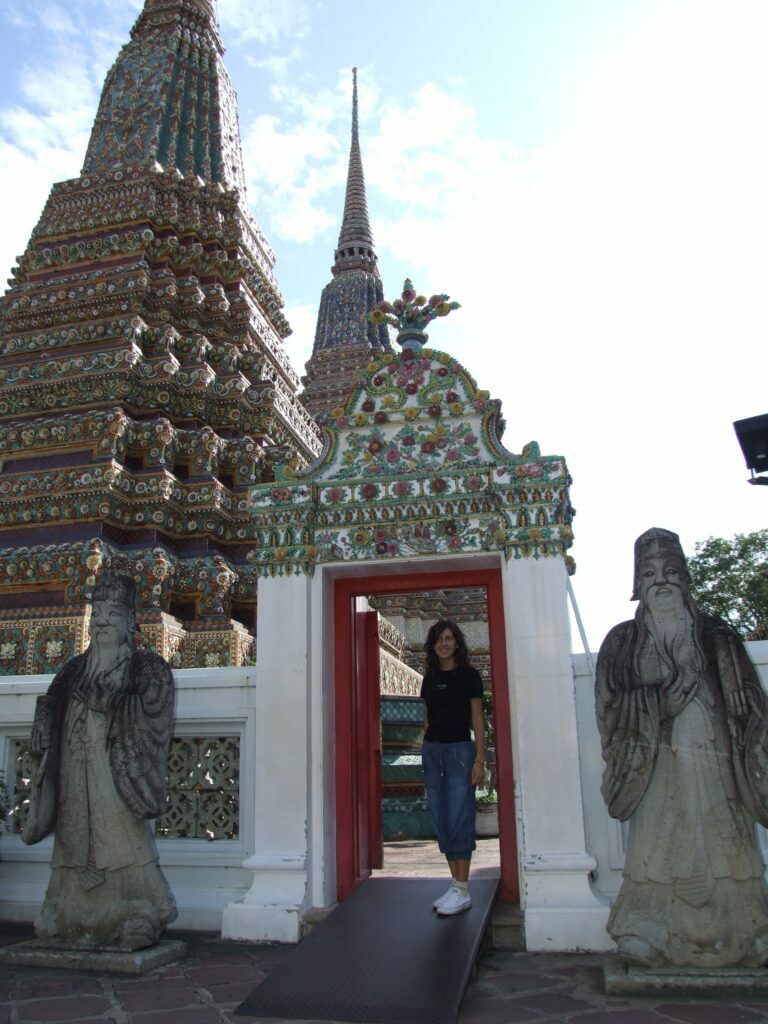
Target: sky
pixel 588 178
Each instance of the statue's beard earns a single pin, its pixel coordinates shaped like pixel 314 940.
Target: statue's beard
pixel 666 611
pixel 103 652
pixel 669 622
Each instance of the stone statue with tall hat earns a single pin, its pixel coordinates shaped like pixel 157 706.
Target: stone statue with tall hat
pixel 684 726
pixel 99 747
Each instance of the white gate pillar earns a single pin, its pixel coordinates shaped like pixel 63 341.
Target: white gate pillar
pixel 561 911
pixel 272 908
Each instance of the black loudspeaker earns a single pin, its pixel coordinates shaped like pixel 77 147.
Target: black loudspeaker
pixel 753 438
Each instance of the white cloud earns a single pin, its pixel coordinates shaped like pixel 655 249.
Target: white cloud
pixel 14 15
pixel 44 130
pixel 302 319
pixel 117 5
pixel 287 172
pixel 267 21
pixel 299 220
pixel 281 154
pixel 276 66
pixel 60 102
pixel 57 20
pixel 41 142
pixel 295 162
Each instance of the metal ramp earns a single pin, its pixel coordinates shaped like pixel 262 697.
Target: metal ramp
pixel 382 956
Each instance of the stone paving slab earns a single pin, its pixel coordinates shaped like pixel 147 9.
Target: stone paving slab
pixel 212 980
pixel 569 989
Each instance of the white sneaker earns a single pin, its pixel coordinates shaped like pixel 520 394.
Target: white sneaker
pixel 441 899
pixel 454 903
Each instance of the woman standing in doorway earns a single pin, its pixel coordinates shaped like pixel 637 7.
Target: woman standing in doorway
pixel 452 691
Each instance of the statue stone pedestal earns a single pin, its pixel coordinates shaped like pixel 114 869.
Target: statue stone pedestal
pixel 627 979
pixel 37 953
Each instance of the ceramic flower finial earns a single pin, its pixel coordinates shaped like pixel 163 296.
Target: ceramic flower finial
pixel 411 313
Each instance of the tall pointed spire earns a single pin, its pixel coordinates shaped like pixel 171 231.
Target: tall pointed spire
pixel 344 339
pixel 355 248
pixel 168 99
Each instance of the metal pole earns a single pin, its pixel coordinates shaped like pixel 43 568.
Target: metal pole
pixel 580 626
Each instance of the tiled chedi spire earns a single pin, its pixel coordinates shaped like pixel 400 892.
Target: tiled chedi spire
pixel 168 98
pixel 344 340
pixel 143 381
pixel 355 248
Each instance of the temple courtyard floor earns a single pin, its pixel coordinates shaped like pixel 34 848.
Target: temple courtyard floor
pixel 215 977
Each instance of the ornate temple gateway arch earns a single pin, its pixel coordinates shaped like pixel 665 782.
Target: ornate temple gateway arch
pixel 413 484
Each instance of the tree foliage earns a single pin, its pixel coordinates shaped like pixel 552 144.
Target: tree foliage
pixel 729 578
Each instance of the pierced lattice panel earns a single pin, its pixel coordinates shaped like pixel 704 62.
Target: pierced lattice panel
pixel 203 789
pixel 203 785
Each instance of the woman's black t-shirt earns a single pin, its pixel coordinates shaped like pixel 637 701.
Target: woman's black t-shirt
pixel 447 696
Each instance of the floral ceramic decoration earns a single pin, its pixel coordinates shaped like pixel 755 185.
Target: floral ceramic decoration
pixel 413 465
pixel 410 314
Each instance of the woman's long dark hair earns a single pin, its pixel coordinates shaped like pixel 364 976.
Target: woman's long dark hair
pixel 432 664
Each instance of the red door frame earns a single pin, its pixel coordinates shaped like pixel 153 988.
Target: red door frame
pixel 349 871
pixel 366 744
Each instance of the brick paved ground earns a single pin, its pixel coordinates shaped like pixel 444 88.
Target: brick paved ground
pixel 215 976
pixel 510 988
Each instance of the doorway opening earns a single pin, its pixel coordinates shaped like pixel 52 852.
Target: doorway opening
pixel 359 843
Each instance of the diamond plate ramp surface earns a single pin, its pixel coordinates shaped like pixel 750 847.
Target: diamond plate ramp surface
pixel 382 956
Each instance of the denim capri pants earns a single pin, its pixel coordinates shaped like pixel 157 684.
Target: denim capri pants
pixel 451 795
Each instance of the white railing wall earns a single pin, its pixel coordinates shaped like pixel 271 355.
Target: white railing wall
pixel 205 875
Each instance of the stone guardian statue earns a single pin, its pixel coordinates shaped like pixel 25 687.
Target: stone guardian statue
pixel 99 747
pixel 684 727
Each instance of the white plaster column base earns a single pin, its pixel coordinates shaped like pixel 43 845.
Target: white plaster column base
pixel 567 930
pixel 271 909
pixel 251 923
pixel 562 913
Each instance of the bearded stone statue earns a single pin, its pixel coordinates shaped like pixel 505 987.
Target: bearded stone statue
pixel 684 725
pixel 99 747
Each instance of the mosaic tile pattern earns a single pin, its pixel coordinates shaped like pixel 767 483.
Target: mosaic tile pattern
pixel 413 465
pixel 144 384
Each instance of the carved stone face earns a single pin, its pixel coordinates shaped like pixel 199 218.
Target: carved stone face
pixel 663 581
pixel 110 623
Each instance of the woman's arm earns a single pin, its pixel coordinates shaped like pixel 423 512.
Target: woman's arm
pixel 478 728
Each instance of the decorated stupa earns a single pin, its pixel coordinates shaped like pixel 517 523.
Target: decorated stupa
pixel 345 339
pixel 145 383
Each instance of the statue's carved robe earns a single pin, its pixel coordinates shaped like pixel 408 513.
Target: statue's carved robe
pixel 102 775
pixel 692 779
